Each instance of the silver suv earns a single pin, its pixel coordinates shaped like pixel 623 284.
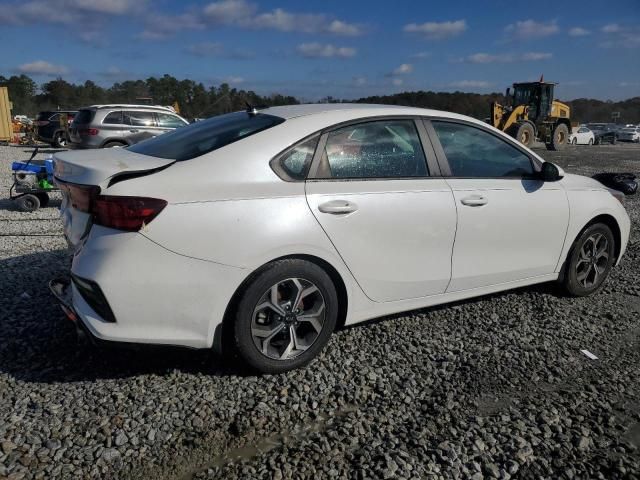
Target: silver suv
pixel 104 126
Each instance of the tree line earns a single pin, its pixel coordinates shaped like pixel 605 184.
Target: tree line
pixel 198 101
pixel 194 99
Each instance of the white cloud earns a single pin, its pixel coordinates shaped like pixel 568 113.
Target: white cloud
pixel 109 7
pixel 488 58
pixel 339 27
pixel 205 49
pixel 403 69
pixel 629 84
pixel 421 55
pixel 233 80
pixel 229 11
pixel 535 56
pixel 40 67
pixel 160 27
pixel 437 30
pixel 70 12
pixel 578 32
pixel 319 50
pixel 612 28
pixel 526 29
pixel 470 84
pixel 397 81
pixel 359 81
pixel 507 57
pixel 244 14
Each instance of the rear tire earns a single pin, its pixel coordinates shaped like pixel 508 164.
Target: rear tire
pixel 574 141
pixel 273 334
pixel 590 142
pixel 560 137
pixel 44 199
pixel 590 260
pixel 28 203
pixel 60 140
pixel 114 144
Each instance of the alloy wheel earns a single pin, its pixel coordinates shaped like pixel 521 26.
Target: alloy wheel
pixel 288 319
pixel 593 260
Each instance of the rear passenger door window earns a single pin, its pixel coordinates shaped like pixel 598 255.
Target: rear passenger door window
pixel 475 153
pixel 378 149
pixel 139 119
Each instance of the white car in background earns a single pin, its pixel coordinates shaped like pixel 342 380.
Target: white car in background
pixel 582 136
pixel 629 134
pixel 260 232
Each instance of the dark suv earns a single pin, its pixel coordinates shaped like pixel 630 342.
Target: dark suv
pixel 104 126
pixel 51 126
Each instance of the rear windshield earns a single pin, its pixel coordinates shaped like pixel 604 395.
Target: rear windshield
pixel 205 136
pixel 84 116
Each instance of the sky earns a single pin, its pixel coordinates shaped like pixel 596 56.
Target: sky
pixel 344 49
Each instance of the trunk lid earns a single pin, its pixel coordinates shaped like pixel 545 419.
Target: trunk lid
pixel 100 167
pixel 81 172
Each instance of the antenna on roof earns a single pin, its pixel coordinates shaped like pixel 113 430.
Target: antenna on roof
pixel 251 110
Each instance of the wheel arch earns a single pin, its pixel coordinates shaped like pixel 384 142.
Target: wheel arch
pixel 609 221
pixel 223 336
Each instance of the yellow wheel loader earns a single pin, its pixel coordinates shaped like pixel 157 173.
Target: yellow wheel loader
pixel 532 112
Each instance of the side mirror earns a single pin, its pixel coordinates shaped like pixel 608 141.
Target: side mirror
pixel 551 172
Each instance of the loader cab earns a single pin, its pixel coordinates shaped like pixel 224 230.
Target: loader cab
pixel 538 96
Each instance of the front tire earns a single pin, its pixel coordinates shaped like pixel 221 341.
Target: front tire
pixel 525 134
pixel 286 316
pixel 590 260
pixel 590 142
pixel 114 144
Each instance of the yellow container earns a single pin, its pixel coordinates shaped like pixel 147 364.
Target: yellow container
pixel 6 128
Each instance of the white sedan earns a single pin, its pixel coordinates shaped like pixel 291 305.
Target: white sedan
pixel 630 134
pixel 260 232
pixel 582 136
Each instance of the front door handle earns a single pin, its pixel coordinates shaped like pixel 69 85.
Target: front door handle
pixel 474 201
pixel 134 130
pixel 338 207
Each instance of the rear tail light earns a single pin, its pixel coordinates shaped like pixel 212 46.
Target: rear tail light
pixel 119 212
pixel 126 213
pixel 88 132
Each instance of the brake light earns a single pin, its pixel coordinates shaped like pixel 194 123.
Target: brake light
pixel 119 212
pixel 88 132
pixel 126 213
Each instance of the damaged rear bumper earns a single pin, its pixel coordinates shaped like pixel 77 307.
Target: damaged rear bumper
pixel 61 289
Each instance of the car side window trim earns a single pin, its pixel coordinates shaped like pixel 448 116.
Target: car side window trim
pixel 315 163
pixel 444 162
pixel 279 170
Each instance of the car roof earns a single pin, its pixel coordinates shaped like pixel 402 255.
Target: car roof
pixel 356 110
pixel 127 105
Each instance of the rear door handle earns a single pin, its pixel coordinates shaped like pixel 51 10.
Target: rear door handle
pixel 338 207
pixel 474 201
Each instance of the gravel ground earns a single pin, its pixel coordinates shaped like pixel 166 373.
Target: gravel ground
pixel 495 387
